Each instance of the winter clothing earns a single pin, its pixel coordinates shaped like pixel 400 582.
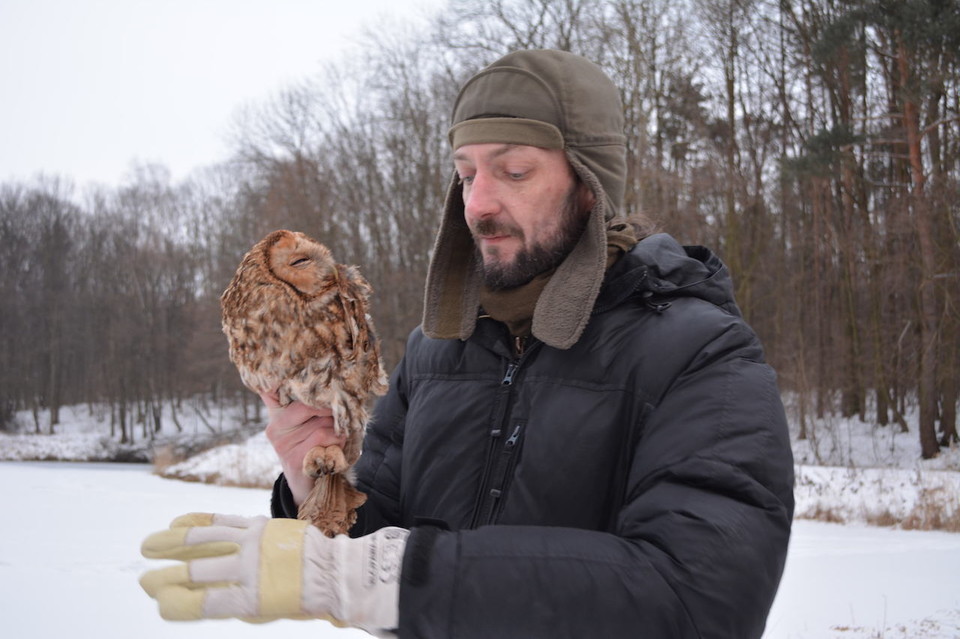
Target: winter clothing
pixel 626 470
pixel 640 481
pixel 519 99
pixel 261 569
pixel 515 307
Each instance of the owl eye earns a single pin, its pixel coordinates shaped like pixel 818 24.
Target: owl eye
pixel 300 261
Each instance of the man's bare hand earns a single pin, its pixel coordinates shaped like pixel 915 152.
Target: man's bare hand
pixel 293 430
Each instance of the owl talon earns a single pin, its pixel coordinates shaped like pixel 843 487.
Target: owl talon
pixel 324 460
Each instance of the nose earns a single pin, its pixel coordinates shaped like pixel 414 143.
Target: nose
pixel 480 197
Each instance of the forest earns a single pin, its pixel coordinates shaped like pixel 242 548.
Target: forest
pixel 814 144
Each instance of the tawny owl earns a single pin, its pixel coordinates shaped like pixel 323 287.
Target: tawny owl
pixel 297 324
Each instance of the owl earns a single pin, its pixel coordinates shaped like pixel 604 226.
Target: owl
pixel 297 324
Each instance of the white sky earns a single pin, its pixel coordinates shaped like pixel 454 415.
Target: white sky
pixel 89 86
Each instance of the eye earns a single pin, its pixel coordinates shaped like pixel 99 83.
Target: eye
pixel 300 262
pixel 466 179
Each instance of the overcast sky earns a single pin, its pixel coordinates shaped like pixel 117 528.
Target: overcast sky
pixel 88 86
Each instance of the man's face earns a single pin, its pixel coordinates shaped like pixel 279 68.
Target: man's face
pixel 523 206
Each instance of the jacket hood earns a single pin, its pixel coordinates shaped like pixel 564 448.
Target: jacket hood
pixel 551 99
pixel 659 267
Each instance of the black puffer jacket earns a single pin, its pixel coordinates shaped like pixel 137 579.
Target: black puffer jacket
pixel 638 484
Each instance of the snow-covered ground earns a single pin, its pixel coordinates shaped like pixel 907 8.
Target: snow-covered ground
pixel 70 552
pixel 69 564
pixel 69 549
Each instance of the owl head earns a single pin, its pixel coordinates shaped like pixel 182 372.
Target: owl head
pixel 300 261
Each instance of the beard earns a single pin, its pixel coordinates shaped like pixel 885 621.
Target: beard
pixel 539 258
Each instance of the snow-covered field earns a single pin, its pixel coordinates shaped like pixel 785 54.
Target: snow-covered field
pixel 69 564
pixel 70 552
pixel 69 547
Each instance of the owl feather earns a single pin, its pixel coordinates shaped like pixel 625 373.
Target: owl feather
pixel 298 325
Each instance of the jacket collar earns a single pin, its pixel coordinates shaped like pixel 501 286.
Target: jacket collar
pixel 658 265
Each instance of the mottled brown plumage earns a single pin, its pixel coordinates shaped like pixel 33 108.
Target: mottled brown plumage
pixel 298 324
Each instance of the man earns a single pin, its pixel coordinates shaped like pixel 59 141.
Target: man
pixel 582 438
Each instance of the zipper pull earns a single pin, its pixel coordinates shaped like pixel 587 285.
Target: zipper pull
pixel 514 438
pixel 511 371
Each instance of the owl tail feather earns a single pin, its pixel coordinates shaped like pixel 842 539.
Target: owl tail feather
pixel 332 504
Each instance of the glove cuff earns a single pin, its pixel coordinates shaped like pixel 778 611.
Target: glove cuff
pixel 364 574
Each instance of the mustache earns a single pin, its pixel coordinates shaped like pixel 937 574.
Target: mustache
pixel 488 227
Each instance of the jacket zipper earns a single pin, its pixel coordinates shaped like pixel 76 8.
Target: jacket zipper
pixel 500 453
pixel 508 376
pixel 503 473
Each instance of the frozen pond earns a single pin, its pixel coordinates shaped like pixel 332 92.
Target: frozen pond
pixel 70 560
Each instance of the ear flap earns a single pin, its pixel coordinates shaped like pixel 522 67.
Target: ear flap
pixel 565 306
pixel 452 294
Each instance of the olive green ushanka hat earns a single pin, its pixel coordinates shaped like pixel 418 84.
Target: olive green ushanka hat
pixel 554 100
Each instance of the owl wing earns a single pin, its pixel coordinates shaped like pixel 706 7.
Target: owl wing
pixel 365 347
pixel 262 323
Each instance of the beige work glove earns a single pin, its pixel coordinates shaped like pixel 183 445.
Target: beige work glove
pixel 261 569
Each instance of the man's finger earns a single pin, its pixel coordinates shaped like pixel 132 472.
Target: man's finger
pixel 154 581
pixel 213 571
pixel 272 400
pixel 179 603
pixel 210 519
pixel 192 543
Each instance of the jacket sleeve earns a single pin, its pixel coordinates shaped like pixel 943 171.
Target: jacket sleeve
pixel 378 469
pixel 699 544
pixel 282 505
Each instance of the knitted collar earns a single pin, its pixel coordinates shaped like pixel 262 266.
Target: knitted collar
pixel 515 307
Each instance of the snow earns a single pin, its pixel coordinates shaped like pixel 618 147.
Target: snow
pixel 847 471
pixel 251 462
pixel 849 442
pixel 70 560
pixel 69 552
pixel 915 498
pixel 860 582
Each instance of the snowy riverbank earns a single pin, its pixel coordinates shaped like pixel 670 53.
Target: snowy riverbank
pixel 847 471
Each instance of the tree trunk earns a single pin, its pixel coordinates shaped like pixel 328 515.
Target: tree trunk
pixel 948 414
pixel 929 447
pixel 122 414
pixel 54 372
